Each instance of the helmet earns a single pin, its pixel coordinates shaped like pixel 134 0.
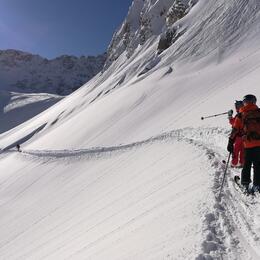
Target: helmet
pixel 239 104
pixel 249 99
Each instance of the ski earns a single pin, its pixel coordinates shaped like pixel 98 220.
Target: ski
pixel 245 192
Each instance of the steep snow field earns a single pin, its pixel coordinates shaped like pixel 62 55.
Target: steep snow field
pixel 16 108
pixel 84 207
pixel 124 168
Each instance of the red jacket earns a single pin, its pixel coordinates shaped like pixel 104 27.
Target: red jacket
pixel 232 120
pixel 238 127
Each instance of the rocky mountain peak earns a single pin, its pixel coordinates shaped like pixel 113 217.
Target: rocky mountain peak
pixel 145 19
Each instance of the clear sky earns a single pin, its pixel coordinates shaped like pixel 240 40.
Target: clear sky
pixel 55 27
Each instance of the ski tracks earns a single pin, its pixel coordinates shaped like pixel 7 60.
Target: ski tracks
pixel 219 242
pixel 231 227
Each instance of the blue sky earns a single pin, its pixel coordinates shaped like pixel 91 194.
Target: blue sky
pixel 55 27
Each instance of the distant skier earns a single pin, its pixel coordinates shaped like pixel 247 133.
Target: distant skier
pixel 248 121
pixel 18 147
pixel 238 149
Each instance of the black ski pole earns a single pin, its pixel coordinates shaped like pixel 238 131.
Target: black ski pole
pixel 225 173
pixel 202 118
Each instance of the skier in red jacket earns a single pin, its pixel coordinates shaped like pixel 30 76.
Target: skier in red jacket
pixel 238 151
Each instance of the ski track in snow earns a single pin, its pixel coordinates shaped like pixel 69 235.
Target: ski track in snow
pixel 101 152
pixel 231 229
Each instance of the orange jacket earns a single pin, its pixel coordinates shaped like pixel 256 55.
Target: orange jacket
pixel 238 126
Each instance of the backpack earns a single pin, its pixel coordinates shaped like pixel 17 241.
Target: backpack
pixel 251 123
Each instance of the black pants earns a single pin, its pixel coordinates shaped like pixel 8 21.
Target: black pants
pixel 252 157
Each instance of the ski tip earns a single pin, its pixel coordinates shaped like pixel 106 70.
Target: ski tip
pixel 236 179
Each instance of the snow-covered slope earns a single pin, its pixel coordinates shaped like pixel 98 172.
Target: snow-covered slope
pixel 124 168
pixel 24 72
pixel 17 108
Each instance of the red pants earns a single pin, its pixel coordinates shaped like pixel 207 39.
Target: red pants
pixel 238 154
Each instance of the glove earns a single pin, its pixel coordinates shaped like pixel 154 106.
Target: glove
pixel 230 114
pixel 230 146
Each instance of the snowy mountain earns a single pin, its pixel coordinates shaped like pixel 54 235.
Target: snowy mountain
pixel 24 72
pixel 124 168
pixel 144 20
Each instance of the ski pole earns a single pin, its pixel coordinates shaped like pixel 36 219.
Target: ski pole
pixel 225 173
pixel 202 118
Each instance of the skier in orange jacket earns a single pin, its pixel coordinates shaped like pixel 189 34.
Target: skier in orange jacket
pixel 248 121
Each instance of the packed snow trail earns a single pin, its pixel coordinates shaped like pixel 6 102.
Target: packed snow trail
pixel 156 199
pixel 104 208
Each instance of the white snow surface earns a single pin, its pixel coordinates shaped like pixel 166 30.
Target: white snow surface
pixel 16 108
pixel 124 168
